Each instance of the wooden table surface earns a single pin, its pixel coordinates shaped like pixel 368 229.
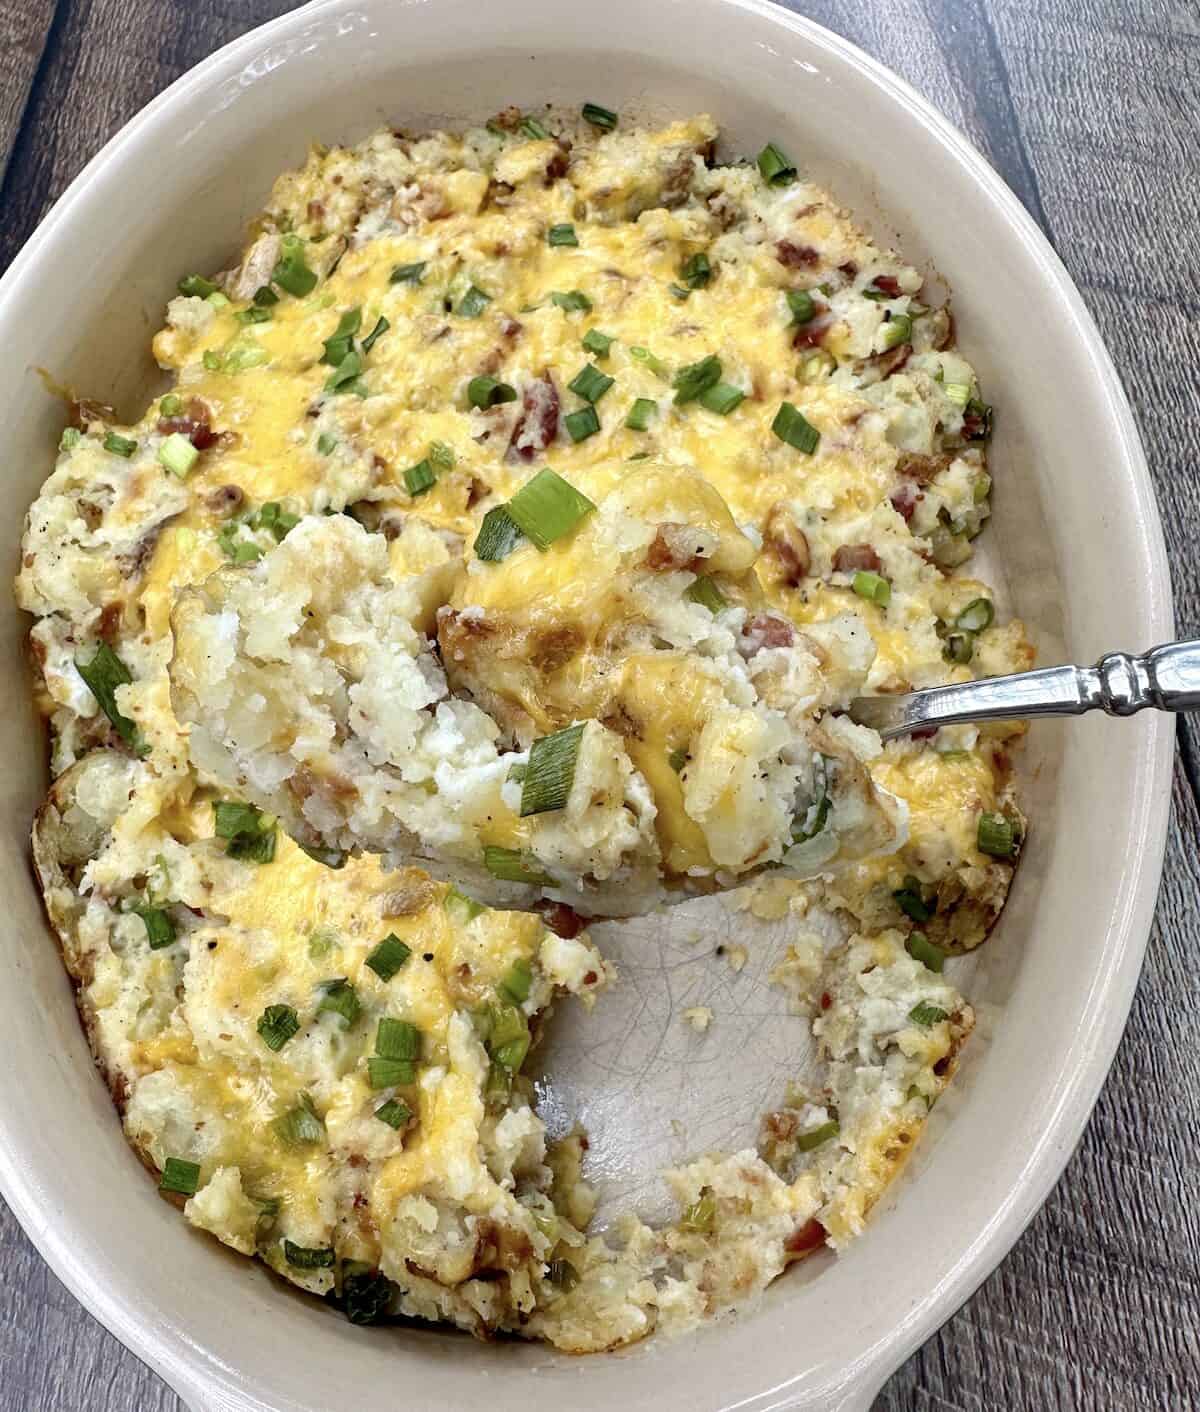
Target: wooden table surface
pixel 1090 109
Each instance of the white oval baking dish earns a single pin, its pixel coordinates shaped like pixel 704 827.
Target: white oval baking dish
pixel 1076 528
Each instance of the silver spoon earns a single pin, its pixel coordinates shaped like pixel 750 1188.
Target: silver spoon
pixel 1166 677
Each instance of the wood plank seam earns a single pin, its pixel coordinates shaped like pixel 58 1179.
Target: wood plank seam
pixel 45 58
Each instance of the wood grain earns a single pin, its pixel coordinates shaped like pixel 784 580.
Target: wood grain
pixel 1090 110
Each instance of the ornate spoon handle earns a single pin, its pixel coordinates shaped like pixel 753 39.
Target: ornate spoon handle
pixel 1166 677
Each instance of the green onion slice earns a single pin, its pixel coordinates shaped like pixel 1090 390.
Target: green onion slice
pixel 510 865
pixel 276 1025
pixel 325 443
pixel 574 301
pixel 959 648
pixel 160 929
pixel 958 392
pixel 920 948
pixel 976 616
pixel 590 383
pixel 119 445
pixel 196 286
pixel 910 898
pixel 71 438
pixel 341 340
pixel 171 405
pixel 381 327
pixel 533 129
pixel 397 1039
pixel 638 418
pixel 701 1215
pixel 603 118
pixel 705 592
pixel 817 1137
pixel 775 166
pixel 409 274
pixel 696 271
pixel 656 365
pixel 254 314
pixel 419 478
pixel 680 291
pixel 896 331
pixel 872 587
pixel 677 759
pixel 562 235
pixel 395 1113
pixel 265 296
pixel 305 1257
pixel 441 456
pixel 339 998
pixel 178 454
pixel 925 1014
pixel 484 392
pixel 180 1176
pixel 802 305
pixel 548 507
pixel 721 398
pixel 996 836
pixel 345 373
pixel 598 343
pixel 103 675
pixel 792 426
pixel 387 958
pixel 498 535
pixel 250 833
pixel 473 303
pixel 689 382
pixel 462 908
pixel 299 1126
pixel 517 982
pixel 292 273
pixel 388 1073
pixel 551 771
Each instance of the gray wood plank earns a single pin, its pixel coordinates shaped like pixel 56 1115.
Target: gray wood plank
pixel 1089 109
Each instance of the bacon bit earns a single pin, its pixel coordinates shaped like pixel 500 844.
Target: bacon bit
pixel 508 118
pixel 110 621
pixel 84 410
pixel 195 424
pixel 554 648
pixel 781 1124
pixel 562 920
pixel 225 499
pixel 809 1236
pixel 893 360
pixel 887 284
pixel 316 210
pixel 537 426
pixel 786 543
pixel 812 334
pixel 915 466
pixel 849 269
pixel 766 630
pixel 478 490
pixel 673 547
pixel 974 426
pixel 557 165
pixel 590 978
pixel 851 557
pixel 795 256
pixel 826 1000
pixel 509 326
pixel 904 500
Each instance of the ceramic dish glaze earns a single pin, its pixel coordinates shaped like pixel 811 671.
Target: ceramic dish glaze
pixel 1073 506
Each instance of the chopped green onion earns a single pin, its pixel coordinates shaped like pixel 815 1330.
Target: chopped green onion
pixel 722 398
pixel 816 1137
pixel 548 507
pixel 119 445
pixel 218 300
pixel 562 235
pixel 976 616
pixel 816 366
pixel 178 454
pixel 551 771
pixel 70 439
pixel 473 303
pixel 896 331
pixel 517 982
pixel 957 392
pixel 212 360
pixel 395 1113
pixel 265 296
pixel 160 929
pixel 367 1295
pixel 292 273
pixel 498 535
pixel 689 382
pixel 816 815
pixel 441 456
pixel 603 118
pixel 486 392
pixel 701 1215
pixel 340 998
pixel 255 314
pixel 250 833
pixel 681 292
pixel 705 592
pixel 510 865
pixel 695 271
pixel 792 426
pixel 277 1024
pixel 925 1015
pixel 419 478
pixel 574 301
pixel 381 326
pixel 409 274
pixel 979 415
pixel 462 908
pixel 638 418
pixel 959 648
pixel 873 587
pixel 180 1176
pixel 345 373
pixel 244 356
pixel 533 129
pixel 996 836
pixel 911 900
pixel 656 365
pixel 387 958
pixel 920 948
pixel 802 305
pixel 508 1040
pixel 196 286
pixel 598 343
pixel 171 405
pixel 304 1257
pixel 103 675
pixel 776 168
pixel 272 516
pixel 388 1073
pixel 590 383
pixel 639 456
pixel 341 340
pixel 325 443
pixel 677 759
pixel 241 551
pixel 299 1126
pixel 397 1039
